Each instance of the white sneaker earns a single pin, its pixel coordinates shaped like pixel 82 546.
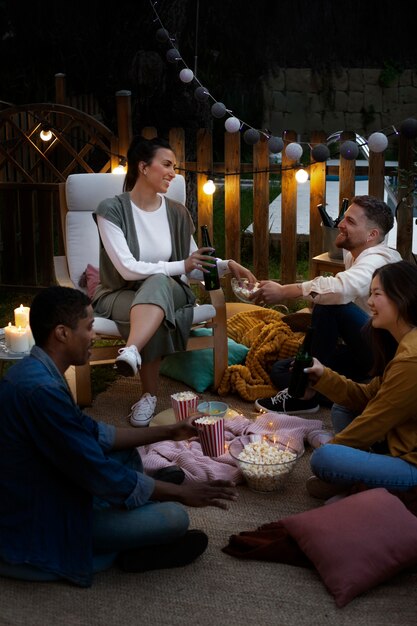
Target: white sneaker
pixel 143 410
pixel 128 362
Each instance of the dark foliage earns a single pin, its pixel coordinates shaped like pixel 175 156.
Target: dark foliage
pixel 103 47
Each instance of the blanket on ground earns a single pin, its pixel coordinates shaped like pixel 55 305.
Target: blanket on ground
pixel 268 339
pixel 189 456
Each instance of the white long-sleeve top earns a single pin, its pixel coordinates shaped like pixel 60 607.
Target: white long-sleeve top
pixel 155 245
pixel 353 284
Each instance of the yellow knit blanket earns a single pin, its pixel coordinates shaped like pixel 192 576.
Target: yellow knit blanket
pixel 268 339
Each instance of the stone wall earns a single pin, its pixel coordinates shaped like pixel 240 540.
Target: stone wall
pixel 305 100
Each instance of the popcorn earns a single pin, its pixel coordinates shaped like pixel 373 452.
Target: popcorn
pixel 264 466
pixel 184 395
pixel 244 289
pixel 184 403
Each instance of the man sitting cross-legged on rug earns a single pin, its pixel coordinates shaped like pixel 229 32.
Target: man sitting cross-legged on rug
pixel 73 495
pixel 340 308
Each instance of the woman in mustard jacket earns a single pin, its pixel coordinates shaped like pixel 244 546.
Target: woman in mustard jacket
pixel 375 423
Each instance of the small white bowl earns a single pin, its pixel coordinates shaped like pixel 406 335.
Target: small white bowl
pixel 243 289
pixel 213 408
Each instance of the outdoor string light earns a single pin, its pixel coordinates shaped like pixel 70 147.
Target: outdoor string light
pixel 209 187
pixel 45 134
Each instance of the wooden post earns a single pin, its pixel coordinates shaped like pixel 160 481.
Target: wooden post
pixel 261 209
pixel 346 172
pixel 204 169
pixel 149 132
pixel 232 195
pixel 405 198
pixel 60 89
pixel 376 174
pixel 317 196
pixel 177 143
pixel 124 120
pixel 288 215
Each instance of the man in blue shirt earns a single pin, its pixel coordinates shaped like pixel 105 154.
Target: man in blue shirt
pixel 73 495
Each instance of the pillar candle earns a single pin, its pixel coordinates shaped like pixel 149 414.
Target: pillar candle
pixel 19 341
pixel 31 340
pixel 7 334
pixel 21 316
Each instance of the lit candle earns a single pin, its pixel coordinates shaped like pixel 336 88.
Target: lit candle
pixel 21 316
pixel 19 341
pixel 31 340
pixel 7 334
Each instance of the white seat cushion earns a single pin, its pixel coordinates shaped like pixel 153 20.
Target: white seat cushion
pixel 104 326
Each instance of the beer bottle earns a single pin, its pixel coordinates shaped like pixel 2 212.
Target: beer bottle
pixel 343 207
pixel 211 278
pixel 325 217
pixel 299 379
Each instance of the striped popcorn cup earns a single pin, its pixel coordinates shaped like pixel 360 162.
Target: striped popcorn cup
pixel 184 404
pixel 211 435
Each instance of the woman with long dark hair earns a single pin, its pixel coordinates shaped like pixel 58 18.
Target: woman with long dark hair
pixel 147 249
pixel 375 423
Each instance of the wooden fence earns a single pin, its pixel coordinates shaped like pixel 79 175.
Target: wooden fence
pixel 30 171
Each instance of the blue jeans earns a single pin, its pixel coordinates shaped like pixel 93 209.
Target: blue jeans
pixel 353 358
pixel 115 530
pixel 349 466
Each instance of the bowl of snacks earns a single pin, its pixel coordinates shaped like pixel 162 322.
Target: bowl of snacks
pixel 243 289
pixel 214 408
pixel 265 461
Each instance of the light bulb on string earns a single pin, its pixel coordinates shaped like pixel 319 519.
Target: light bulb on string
pixel 218 110
pixel 349 150
pixel 186 75
pixel 377 142
pixel 173 55
pixel 209 187
pixel 121 168
pixel 301 175
pixel 201 94
pixel 232 124
pixel 294 151
pixel 46 134
pixel 275 144
pixel 251 136
pixel 320 153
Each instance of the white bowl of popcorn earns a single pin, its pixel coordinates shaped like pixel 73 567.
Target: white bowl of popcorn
pixel 243 289
pixel 265 460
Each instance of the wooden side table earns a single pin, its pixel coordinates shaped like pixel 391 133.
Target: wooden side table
pixel 323 263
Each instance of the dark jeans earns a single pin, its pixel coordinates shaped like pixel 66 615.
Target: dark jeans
pixel 332 322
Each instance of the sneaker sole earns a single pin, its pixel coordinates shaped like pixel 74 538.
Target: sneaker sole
pixel 124 369
pixel 140 423
pixel 314 409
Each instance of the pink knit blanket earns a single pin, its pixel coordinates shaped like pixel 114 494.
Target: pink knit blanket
pixel 197 466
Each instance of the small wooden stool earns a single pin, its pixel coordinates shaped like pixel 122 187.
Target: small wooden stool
pixel 323 263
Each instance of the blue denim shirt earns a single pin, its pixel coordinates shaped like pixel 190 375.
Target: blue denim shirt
pixel 52 462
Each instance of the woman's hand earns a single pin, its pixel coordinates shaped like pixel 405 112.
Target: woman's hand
pixel 241 272
pixel 198 260
pixel 315 372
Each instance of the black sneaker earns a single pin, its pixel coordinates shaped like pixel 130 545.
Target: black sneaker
pixel 175 554
pixel 284 403
pixel 171 474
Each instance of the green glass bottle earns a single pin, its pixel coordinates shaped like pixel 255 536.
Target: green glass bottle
pixel 303 358
pixel 211 279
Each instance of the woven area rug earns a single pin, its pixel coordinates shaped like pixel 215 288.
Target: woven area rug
pixel 217 589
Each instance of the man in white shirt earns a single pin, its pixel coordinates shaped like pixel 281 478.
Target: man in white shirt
pixel 340 302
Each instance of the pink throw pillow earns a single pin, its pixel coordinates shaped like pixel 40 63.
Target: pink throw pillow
pixel 357 542
pixel 92 275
